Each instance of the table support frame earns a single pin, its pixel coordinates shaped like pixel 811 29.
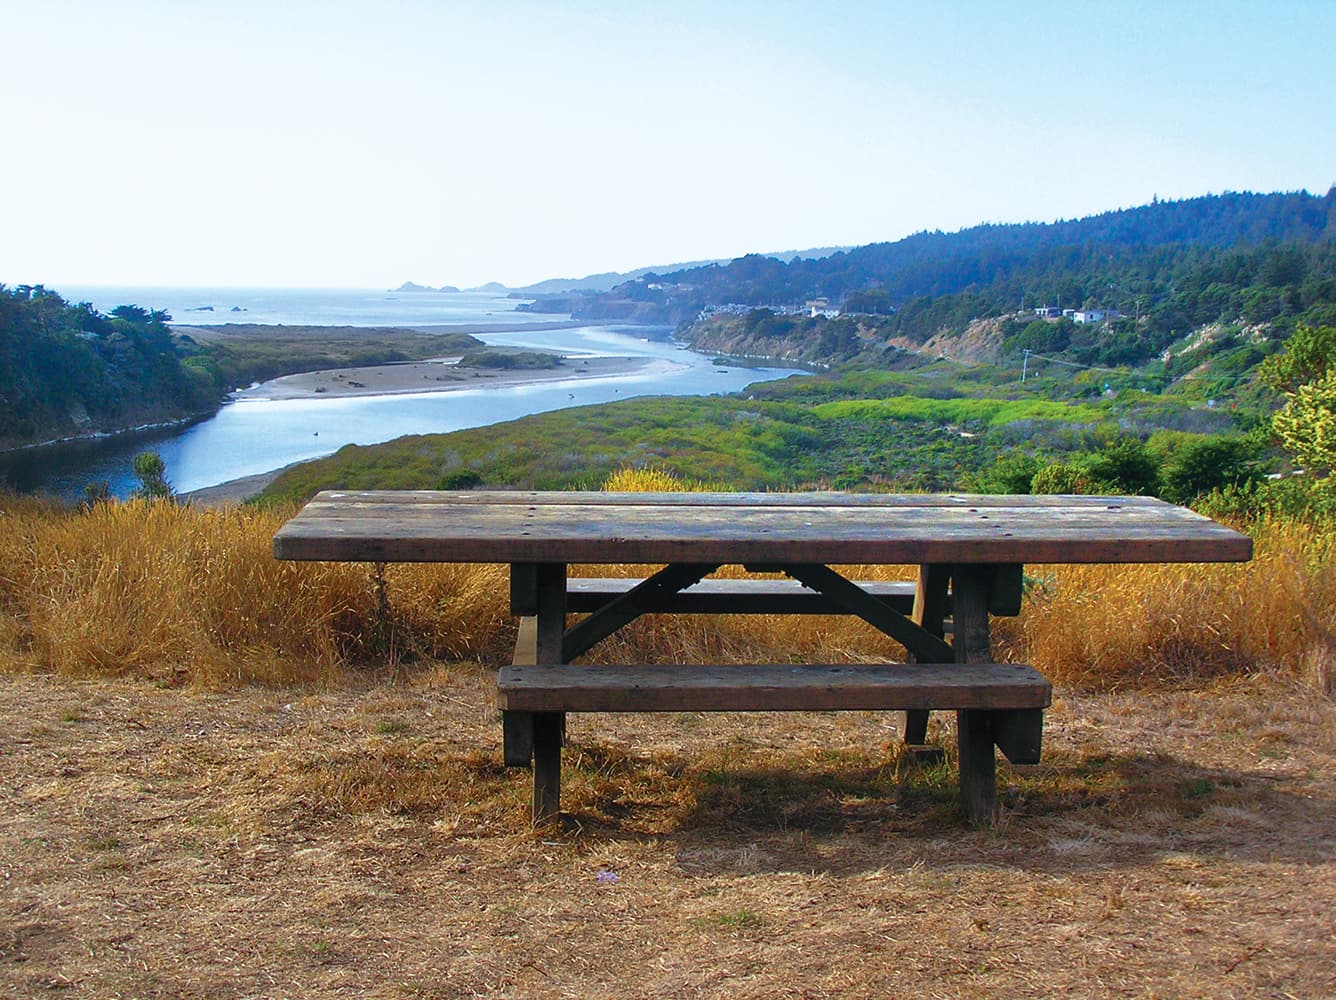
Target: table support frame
pixel 539 590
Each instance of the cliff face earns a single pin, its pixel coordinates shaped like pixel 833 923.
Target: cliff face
pixel 731 335
pixel 820 341
pixel 980 342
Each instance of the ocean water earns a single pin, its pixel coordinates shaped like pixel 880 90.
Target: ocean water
pixel 308 306
pixel 248 437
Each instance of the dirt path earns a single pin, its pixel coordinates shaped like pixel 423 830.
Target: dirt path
pixel 367 843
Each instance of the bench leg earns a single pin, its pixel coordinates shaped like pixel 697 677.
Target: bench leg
pixel 978 765
pixel 913 726
pixel 1019 734
pixel 548 730
pixel 517 738
pixel 930 596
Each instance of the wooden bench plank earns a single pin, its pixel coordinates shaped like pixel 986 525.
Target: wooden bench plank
pixel 735 597
pixel 772 687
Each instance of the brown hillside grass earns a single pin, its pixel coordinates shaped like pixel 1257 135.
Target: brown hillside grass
pixel 1120 626
pixel 186 595
pixel 181 594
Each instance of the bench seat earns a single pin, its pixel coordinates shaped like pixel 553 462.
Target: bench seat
pixel 726 596
pixel 772 687
pixel 997 705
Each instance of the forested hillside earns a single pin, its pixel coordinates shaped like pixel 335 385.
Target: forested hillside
pixel 69 369
pixel 1112 259
pixel 1251 297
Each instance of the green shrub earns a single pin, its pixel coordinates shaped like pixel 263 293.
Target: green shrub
pixel 1062 477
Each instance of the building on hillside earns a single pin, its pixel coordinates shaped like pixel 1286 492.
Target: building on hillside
pixel 1094 315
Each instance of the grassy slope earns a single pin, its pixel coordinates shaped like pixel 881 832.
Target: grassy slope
pixel 926 428
pixel 175 593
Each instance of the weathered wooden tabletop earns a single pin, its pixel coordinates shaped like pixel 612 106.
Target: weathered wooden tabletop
pixel 727 528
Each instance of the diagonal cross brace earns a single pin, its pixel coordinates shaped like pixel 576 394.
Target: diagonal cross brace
pixel 625 609
pixel 925 647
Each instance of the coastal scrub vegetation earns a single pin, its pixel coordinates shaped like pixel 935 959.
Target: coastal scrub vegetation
pixel 69 369
pixel 941 427
pixel 239 354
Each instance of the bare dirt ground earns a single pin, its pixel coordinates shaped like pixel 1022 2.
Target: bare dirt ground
pixel 368 843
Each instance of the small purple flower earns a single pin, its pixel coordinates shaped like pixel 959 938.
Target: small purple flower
pixel 606 876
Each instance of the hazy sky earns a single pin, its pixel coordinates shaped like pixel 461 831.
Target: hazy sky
pixel 318 143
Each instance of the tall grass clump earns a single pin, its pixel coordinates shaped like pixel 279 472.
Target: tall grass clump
pixel 1104 626
pixel 187 595
pixel 652 480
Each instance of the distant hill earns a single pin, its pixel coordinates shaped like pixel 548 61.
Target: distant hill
pixel 884 276
pixel 611 279
pixel 413 286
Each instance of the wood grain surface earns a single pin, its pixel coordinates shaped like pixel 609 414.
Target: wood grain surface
pixel 729 528
pixel 771 687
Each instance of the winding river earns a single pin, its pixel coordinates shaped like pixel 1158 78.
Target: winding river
pixel 248 437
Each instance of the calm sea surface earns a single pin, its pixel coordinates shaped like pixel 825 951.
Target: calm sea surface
pixel 248 437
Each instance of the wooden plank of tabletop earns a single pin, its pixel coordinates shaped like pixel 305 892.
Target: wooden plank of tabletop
pixel 490 498
pixel 750 528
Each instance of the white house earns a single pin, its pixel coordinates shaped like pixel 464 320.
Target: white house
pixel 1094 315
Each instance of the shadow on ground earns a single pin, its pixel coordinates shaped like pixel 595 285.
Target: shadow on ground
pixel 841 814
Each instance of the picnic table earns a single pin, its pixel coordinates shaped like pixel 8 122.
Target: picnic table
pixel 969 552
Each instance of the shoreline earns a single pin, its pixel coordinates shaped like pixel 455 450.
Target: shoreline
pixel 399 379
pixel 439 375
pixel 234 491
pixel 221 330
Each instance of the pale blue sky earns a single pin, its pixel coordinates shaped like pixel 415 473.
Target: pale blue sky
pixel 361 145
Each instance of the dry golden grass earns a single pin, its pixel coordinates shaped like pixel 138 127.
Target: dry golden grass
pixel 182 594
pixel 1111 626
pixel 186 595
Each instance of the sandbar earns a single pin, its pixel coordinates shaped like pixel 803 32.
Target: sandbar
pixel 440 375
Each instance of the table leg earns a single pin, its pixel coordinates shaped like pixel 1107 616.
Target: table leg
pixel 548 735
pixel 929 612
pixel 972 643
pixel 549 728
pixel 978 765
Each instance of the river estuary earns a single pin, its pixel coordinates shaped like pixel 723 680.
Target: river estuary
pixel 253 436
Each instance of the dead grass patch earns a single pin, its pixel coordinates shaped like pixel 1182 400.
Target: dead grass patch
pixel 1109 626
pixel 187 596
pixel 162 843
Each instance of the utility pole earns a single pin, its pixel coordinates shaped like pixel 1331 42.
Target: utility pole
pixel 1025 363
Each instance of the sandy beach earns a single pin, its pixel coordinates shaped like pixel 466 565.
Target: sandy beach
pixel 411 377
pixel 234 491
pixel 436 375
